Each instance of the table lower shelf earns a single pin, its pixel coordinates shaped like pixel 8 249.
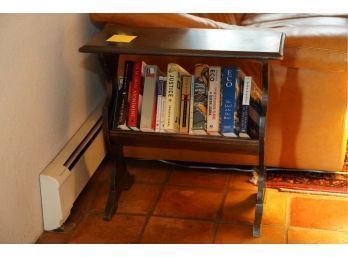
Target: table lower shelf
pixel 184 141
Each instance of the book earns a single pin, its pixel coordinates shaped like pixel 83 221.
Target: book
pixel 173 95
pixel 245 82
pixel 124 105
pixel 159 93
pixel 228 102
pixel 185 104
pixel 213 115
pixel 163 106
pixel 192 92
pixel 149 105
pixel 116 102
pixel 200 90
pixel 253 123
pixel 136 95
pixel 255 111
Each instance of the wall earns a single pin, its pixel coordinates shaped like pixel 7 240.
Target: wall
pixel 47 90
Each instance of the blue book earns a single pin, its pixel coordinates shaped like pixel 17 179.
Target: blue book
pixel 228 102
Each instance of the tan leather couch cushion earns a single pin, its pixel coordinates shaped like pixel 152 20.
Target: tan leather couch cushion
pixel 228 18
pixel 313 41
pixel 167 20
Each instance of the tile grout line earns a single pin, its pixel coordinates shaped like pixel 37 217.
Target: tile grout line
pixel 184 218
pixel 87 211
pixel 287 218
pixel 220 210
pixel 152 208
pixel 320 229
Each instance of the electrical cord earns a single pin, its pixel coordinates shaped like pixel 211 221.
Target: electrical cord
pixel 229 168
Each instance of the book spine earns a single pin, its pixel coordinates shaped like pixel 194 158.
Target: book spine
pixel 246 81
pixel 255 109
pixel 228 101
pixel 213 116
pixel 154 111
pixel 185 104
pixel 237 104
pixel 124 106
pixel 255 97
pixel 163 105
pixel 135 96
pixel 191 104
pixel 148 114
pixel 253 123
pixel 173 99
pixel 159 93
pixel 200 99
pixel 117 98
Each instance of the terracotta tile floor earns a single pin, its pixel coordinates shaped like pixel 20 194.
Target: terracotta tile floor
pixel 171 205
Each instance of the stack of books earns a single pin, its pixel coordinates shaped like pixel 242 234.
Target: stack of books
pixel 215 101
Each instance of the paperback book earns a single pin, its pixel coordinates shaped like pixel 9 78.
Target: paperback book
pixel 173 95
pixel 200 90
pixel 149 106
pixel 229 111
pixel 213 116
pixel 185 104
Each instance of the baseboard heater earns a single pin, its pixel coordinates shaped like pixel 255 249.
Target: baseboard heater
pixel 64 179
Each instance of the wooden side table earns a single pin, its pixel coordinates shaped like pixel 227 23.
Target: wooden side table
pixel 257 44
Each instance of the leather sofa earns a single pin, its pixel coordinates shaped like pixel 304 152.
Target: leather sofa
pixel 307 123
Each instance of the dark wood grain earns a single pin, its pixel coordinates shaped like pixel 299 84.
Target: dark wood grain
pixel 235 42
pixel 182 141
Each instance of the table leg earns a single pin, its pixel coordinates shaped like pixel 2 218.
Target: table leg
pixel 262 171
pixel 120 179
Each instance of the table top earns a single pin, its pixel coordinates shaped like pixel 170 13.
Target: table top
pixel 236 43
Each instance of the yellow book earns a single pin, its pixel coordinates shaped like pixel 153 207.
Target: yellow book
pixel 185 104
pixel 173 95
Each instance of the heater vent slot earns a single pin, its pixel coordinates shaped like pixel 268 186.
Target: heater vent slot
pixel 83 146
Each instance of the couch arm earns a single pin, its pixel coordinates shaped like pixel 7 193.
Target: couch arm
pixel 167 20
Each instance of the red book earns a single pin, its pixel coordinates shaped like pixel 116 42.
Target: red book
pixel 135 95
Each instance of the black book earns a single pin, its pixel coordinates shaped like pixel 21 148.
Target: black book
pixel 124 104
pixel 116 101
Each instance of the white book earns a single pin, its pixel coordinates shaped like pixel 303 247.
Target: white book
pixel 173 95
pixel 213 114
pixel 148 109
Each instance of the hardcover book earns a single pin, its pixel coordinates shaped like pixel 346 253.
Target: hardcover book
pixel 173 95
pixel 228 102
pixel 136 95
pixel 213 115
pixel 200 90
pixel 149 106
pixel 185 104
pixel 124 106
